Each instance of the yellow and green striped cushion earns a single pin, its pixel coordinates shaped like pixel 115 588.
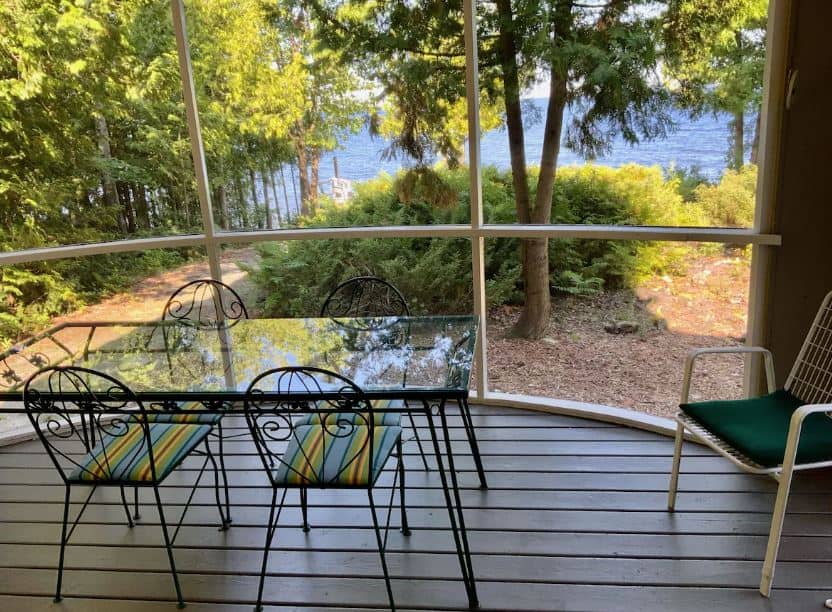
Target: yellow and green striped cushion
pixel 317 457
pixel 385 416
pixel 200 416
pixel 126 458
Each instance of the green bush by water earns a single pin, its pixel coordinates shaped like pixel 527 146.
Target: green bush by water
pixel 435 273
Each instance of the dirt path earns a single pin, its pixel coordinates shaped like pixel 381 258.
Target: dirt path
pixel 145 300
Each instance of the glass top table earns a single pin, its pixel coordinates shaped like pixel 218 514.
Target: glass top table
pixel 424 359
pixel 405 357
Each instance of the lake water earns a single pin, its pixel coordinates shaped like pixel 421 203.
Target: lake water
pixel 700 143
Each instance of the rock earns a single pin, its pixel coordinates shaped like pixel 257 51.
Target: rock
pixel 621 327
pixel 551 341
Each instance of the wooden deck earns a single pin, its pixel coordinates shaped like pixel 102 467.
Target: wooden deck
pixel 574 520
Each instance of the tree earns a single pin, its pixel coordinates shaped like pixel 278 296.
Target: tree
pixel 716 56
pixel 599 58
pixel 327 88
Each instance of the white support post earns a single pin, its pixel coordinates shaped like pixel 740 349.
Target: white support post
pixel 475 181
pixel 197 150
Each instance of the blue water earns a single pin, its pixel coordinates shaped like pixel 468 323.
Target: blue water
pixel 700 143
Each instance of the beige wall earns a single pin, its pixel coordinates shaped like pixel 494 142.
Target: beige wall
pixel 802 269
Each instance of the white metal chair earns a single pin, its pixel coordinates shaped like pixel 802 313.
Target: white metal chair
pixel 768 428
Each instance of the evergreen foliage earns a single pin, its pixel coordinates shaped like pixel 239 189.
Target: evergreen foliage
pixel 435 273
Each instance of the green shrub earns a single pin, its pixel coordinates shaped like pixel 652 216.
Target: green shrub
pixel 730 203
pixel 435 273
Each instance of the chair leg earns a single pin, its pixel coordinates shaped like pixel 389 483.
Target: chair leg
pixel 63 546
pixel 381 550
pixel 136 515
pixel 405 526
pixel 169 547
pixel 270 530
pixel 304 508
pixel 776 527
pixel 674 473
pixel 224 474
pixel 126 508
pixel 418 441
pixel 468 424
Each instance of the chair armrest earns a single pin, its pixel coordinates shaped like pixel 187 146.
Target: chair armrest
pixel 795 426
pixel 690 360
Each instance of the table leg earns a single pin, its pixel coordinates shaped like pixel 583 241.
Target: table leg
pixel 453 503
pixel 468 424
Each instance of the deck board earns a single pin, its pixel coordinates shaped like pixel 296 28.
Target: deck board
pixel 574 520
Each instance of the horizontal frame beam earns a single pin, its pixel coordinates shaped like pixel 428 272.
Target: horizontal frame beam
pixel 588 232
pixel 101 248
pixel 591 232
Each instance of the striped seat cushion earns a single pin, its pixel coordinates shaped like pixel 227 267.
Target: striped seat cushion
pixel 317 457
pixel 126 458
pixel 385 416
pixel 200 416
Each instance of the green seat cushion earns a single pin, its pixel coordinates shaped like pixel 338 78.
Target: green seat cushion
pixel 199 417
pixel 384 416
pixel 125 458
pixel 318 456
pixel 758 427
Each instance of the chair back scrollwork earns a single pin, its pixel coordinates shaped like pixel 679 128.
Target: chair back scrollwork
pixel 73 410
pixel 365 296
pixel 279 399
pixel 205 303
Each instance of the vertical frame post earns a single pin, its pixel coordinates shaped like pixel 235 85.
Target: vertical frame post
pixel 774 95
pixel 194 131
pixel 472 91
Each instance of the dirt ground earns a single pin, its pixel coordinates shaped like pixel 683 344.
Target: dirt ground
pixel 577 359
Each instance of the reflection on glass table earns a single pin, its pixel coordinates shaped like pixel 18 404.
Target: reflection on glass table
pixel 418 356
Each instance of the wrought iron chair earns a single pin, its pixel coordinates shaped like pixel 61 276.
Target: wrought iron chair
pixel 370 296
pixel 344 448
pixel 75 409
pixel 777 434
pixel 204 303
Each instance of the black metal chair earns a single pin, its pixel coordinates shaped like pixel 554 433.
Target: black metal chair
pixel 205 302
pixel 370 296
pixel 211 304
pixel 96 432
pixel 342 448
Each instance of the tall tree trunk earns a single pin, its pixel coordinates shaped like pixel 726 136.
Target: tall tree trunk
pixel 253 185
pixel 142 208
pixel 241 201
pixel 294 190
pixel 738 138
pixel 123 191
pixel 314 167
pixel 755 143
pixel 534 318
pixel 285 193
pixel 108 185
pixel 264 177
pixel 514 113
pixel 273 176
pixel 303 178
pixel 222 205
